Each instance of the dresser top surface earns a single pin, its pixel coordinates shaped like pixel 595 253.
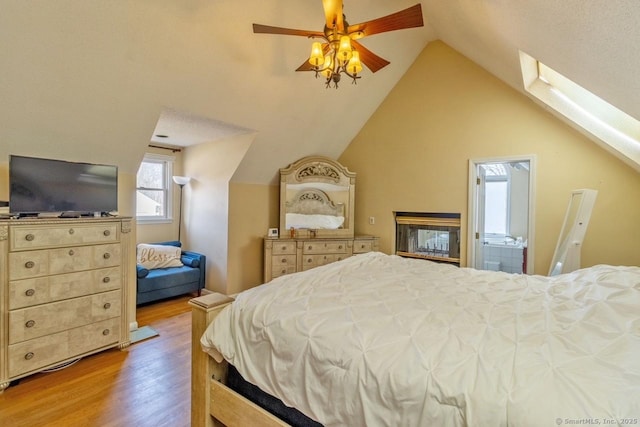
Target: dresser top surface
pixel 60 221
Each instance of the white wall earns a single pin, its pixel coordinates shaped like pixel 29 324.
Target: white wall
pixel 206 202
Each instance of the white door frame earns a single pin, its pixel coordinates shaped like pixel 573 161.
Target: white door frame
pixel 474 205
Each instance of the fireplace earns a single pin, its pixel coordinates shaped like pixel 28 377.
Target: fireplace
pixel 428 235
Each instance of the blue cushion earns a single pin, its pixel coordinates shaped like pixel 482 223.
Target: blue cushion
pixel 141 271
pixel 161 278
pixel 190 261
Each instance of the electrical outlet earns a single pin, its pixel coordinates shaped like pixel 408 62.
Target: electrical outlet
pixel 372 220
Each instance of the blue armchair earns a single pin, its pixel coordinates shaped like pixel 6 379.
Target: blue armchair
pixel 160 283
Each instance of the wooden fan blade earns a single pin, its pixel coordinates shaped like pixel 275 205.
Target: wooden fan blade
pixel 306 65
pixel 407 18
pixel 368 58
pixel 333 13
pixel 267 29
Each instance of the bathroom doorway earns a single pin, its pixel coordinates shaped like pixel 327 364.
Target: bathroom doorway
pixel 501 212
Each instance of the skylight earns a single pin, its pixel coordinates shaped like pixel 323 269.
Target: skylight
pixel 612 128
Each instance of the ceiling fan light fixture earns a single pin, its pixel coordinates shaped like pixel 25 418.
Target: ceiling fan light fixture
pixel 345 49
pixel 336 54
pixel 327 71
pixel 317 56
pixel 354 66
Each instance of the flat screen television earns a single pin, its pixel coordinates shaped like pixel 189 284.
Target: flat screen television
pixel 45 185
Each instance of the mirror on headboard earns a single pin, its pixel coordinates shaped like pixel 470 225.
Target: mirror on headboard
pixel 317 198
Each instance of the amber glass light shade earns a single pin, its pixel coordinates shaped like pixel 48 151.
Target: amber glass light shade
pixel 328 66
pixel 344 51
pixel 354 66
pixel 317 56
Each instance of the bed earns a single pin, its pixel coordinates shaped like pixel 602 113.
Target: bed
pixel 378 339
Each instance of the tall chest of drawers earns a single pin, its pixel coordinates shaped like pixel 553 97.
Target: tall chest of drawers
pixel 63 293
pixel 286 256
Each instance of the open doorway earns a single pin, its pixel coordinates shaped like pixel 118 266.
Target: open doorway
pixel 501 212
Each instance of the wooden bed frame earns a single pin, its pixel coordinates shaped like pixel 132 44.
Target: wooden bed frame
pixel 212 402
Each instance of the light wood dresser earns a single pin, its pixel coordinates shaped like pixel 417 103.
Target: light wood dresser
pixel 63 291
pixel 286 256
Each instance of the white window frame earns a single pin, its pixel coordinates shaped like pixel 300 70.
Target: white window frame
pixel 167 162
pixel 611 128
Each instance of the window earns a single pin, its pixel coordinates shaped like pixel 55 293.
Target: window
pixel 610 127
pixel 153 182
pixel 496 215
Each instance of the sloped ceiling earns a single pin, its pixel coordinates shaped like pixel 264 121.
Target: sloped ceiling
pixel 90 80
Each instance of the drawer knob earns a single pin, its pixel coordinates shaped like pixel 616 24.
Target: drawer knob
pixel 284 260
pixel 29 264
pixel 284 248
pixel 71 252
pixel 283 271
pixel 29 356
pixel 30 292
pixel 310 247
pixel 107 305
pixel 30 324
pixel 106 255
pixel 339 246
pixel 106 332
pixel 361 246
pixel 107 233
pixel 71 231
pixel 106 279
pixel 29 237
pixel 308 260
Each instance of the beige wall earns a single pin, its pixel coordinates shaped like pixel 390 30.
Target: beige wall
pixel 413 155
pixel 4 181
pixel 252 210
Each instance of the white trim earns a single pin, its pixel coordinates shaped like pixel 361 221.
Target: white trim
pixel 168 185
pixel 609 127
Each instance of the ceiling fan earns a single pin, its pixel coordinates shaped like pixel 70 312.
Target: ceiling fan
pixel 340 52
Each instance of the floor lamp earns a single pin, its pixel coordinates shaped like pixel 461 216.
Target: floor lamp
pixel 181 181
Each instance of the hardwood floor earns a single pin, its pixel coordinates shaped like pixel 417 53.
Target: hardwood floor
pixel 146 384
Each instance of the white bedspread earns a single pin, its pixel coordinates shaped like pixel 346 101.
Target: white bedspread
pixel 378 340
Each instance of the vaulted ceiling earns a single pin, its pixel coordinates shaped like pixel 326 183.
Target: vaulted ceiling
pixel 92 80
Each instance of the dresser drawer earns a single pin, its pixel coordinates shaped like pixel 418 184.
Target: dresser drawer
pixel 29 264
pixel 37 321
pixel 362 246
pixel 83 258
pixel 42 290
pixel 283 264
pixel 106 256
pixel 283 248
pixel 37 353
pixel 337 246
pixel 311 261
pixel 38 237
